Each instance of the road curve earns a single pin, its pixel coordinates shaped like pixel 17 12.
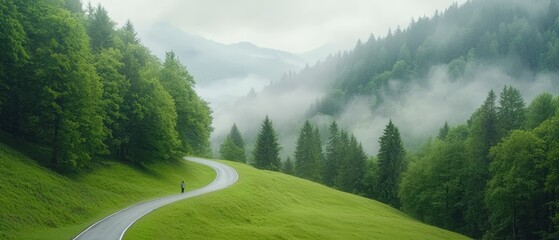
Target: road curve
pixel 115 225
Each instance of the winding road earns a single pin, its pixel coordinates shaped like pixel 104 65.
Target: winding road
pixel 115 225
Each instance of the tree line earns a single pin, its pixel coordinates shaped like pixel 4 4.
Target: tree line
pixel 71 81
pixel 494 177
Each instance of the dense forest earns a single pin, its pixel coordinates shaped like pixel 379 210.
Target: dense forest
pixel 74 83
pixel 495 175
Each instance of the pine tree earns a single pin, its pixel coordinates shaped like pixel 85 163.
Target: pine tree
pixel 236 136
pixel 232 147
pixel 333 157
pixel 443 131
pixel 483 135
pixel 100 29
pixel 308 153
pixel 266 151
pixel 511 113
pixel 352 169
pixel 391 165
pixel 288 167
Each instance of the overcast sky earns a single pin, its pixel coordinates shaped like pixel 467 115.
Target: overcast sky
pixel 290 25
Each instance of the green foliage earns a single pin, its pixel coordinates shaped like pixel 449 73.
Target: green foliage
pixel 270 205
pixel 101 29
pixel 233 147
pixel 433 187
pixel 391 165
pixel 511 112
pixel 515 192
pixel 67 110
pixel 542 108
pixel 193 114
pixel 266 150
pixel 352 167
pixel 288 167
pixel 70 81
pixel 308 153
pixel 333 156
pixel 13 56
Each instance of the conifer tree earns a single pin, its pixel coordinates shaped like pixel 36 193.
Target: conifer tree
pixel 308 153
pixel 266 152
pixel 333 157
pixel 232 147
pixel 511 112
pixel 288 167
pixel 391 165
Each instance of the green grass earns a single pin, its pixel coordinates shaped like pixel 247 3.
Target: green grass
pixel 271 205
pixel 37 203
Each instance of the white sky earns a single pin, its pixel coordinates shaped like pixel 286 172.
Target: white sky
pixel 290 25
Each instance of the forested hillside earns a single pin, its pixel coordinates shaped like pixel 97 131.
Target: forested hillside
pixel 72 81
pixel 519 37
pixel 491 175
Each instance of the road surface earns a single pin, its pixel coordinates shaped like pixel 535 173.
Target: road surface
pixel 115 225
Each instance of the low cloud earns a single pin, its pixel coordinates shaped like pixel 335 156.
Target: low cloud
pixel 420 111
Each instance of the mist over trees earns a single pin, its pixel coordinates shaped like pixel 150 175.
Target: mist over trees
pixel 233 147
pixel 74 83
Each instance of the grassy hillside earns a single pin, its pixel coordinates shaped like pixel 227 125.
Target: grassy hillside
pixel 271 205
pixel 37 203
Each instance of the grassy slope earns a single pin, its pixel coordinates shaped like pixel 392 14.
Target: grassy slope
pixel 270 205
pixel 36 203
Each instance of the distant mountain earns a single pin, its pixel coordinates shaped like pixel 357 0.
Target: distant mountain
pixel 209 61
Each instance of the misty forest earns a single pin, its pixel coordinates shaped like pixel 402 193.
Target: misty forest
pixel 453 119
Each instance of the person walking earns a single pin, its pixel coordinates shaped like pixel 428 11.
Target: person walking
pixel 182 186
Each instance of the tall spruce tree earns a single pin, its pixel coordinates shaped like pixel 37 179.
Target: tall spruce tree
pixel 101 29
pixel 391 165
pixel 483 135
pixel 332 159
pixel 352 168
pixel 308 153
pixel 511 112
pixel 233 147
pixel 266 151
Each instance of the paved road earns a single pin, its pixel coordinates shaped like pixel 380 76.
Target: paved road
pixel 114 226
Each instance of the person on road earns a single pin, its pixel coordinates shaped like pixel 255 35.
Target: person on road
pixel 182 186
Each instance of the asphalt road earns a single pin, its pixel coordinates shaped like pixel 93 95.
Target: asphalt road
pixel 115 225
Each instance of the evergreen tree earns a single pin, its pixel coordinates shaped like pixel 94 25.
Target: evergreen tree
pixel 443 131
pixel 331 161
pixel 266 151
pixel 100 29
pixel 308 154
pixel 236 136
pixel 288 167
pixel 511 112
pixel 233 147
pixel 483 135
pixel 391 164
pixel 352 168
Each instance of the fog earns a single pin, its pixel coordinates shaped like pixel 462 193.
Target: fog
pixel 418 112
pixel 421 110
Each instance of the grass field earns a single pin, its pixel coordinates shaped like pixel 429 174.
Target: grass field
pixel 37 203
pixel 271 205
